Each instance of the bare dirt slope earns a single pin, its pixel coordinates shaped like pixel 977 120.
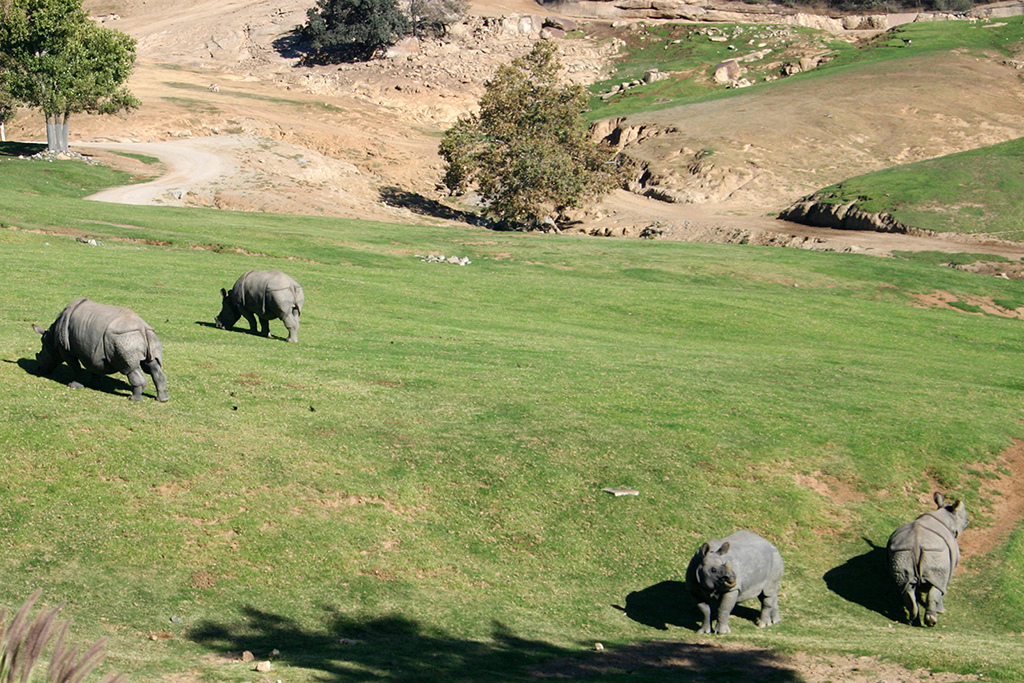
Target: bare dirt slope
pixel 361 140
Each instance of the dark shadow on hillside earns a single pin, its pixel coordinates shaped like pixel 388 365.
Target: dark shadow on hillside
pixel 293 45
pixel 108 384
pixel 864 580
pixel 401 650
pixel 662 605
pixel 20 149
pixel 424 206
pixel 242 328
pixel 669 603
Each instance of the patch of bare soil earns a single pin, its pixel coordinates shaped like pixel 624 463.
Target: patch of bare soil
pixel 691 660
pixel 1006 491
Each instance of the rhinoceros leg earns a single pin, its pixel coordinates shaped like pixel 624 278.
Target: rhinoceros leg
pixel 769 610
pixel 291 321
pixel 78 374
pixel 933 606
pixel 159 378
pixel 910 601
pixel 705 609
pixel 725 608
pixel 265 327
pixel 252 320
pixel 137 378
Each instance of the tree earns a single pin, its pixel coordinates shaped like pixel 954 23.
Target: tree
pixel 8 108
pixel 433 17
pixel 353 30
pixel 57 60
pixel 528 149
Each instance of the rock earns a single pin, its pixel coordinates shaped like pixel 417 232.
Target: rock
pixel 248 656
pixel 728 71
pixel 263 666
pixel 561 23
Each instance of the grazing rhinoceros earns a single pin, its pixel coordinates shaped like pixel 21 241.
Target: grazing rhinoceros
pixel 923 555
pixel 104 339
pixel 734 569
pixel 265 294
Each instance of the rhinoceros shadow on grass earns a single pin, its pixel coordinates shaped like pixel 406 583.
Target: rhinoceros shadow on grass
pixel 669 603
pixel 108 384
pixel 864 580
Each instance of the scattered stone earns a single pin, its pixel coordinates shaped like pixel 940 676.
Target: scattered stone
pixel 454 260
pixel 248 656
pixel 96 243
pixel 263 666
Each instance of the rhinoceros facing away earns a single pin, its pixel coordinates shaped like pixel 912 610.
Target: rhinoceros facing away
pixel 734 569
pixel 263 294
pixel 103 339
pixel 922 557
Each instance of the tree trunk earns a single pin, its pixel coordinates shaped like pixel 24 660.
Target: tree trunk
pixel 57 133
pixel 3 132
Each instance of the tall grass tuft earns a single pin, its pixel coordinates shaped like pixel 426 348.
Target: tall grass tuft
pixel 22 643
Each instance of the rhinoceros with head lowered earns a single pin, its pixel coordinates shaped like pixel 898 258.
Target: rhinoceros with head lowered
pixel 103 339
pixel 736 568
pixel 922 556
pixel 263 294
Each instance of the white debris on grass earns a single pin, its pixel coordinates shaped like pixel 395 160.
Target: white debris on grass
pixel 454 260
pixel 621 492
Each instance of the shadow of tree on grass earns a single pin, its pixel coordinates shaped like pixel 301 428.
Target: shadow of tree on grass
pixel 20 149
pixel 395 648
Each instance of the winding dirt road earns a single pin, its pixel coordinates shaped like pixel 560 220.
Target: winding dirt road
pixel 189 162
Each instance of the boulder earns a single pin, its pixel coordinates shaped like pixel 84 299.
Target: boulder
pixel 728 71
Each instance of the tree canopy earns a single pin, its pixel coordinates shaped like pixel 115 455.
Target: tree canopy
pixel 55 59
pixel 528 150
pixel 353 30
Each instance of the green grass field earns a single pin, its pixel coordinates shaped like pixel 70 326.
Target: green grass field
pixel 413 491
pixel 686 51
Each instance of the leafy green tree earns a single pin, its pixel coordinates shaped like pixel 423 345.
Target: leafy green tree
pixel 8 108
pixel 528 150
pixel 433 17
pixel 57 60
pixel 353 30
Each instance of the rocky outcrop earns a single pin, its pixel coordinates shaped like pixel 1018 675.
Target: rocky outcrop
pixel 847 216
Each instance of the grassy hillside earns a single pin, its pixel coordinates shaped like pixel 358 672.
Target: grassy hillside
pixel 971 192
pixel 413 491
pixel 690 52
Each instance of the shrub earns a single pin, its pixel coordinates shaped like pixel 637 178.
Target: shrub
pixel 528 149
pixel 353 30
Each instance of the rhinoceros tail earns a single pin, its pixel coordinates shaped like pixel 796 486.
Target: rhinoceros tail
pixel 154 349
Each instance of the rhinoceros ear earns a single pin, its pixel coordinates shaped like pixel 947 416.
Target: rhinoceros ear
pixel 724 549
pixel 939 499
pixel 705 549
pixel 38 329
pixel 223 293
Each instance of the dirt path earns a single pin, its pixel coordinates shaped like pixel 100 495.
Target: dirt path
pixel 191 162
